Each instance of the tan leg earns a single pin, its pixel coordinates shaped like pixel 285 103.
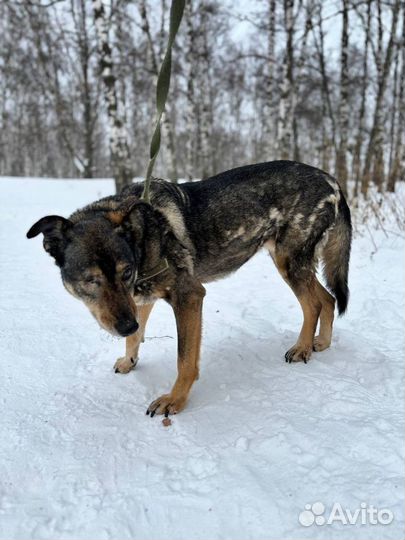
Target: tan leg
pixel 311 307
pixel 188 313
pixel 324 338
pixel 132 343
pixel 306 293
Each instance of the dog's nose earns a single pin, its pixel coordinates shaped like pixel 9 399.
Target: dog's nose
pixel 127 327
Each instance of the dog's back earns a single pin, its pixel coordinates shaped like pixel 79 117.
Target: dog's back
pixel 292 206
pixel 231 215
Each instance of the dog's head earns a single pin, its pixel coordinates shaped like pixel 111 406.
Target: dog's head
pixel 99 256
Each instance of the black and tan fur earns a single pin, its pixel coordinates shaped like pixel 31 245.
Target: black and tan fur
pixel 113 254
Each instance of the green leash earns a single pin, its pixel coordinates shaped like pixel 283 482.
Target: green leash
pixel 162 89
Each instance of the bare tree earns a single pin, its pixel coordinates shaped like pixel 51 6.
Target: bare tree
pixel 190 114
pixel 85 86
pixel 205 117
pixel 328 123
pixel 356 170
pixel 374 154
pixel 398 158
pixel 287 99
pixel 341 158
pixel 232 101
pixel 300 72
pixel 270 117
pixel 119 149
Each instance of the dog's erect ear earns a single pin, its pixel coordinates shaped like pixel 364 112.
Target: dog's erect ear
pixel 123 211
pixel 54 229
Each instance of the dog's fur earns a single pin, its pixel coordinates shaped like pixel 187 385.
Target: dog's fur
pixel 120 254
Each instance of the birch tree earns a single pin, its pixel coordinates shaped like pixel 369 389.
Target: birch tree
pixel 287 99
pixel 118 138
pixel 228 89
pixel 270 117
pixel 205 120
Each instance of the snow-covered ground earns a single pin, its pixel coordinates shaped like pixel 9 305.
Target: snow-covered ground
pixel 259 439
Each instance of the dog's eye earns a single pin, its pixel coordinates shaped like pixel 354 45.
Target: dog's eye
pixel 127 273
pixel 93 281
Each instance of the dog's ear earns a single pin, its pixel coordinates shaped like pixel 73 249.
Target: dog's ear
pixel 123 210
pixel 134 217
pixel 54 229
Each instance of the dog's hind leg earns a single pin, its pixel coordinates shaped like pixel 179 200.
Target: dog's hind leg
pixel 132 343
pixel 303 284
pixel 324 338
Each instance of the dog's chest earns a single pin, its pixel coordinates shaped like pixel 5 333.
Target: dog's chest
pixel 148 291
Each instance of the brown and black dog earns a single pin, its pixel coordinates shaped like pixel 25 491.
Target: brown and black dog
pixel 120 254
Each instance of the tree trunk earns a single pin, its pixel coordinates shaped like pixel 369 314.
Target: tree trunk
pixel 299 79
pixel 341 158
pixel 329 130
pixel 398 159
pixel 88 121
pixel 363 104
pixel 206 157
pixel 190 116
pixel 374 152
pixel 119 150
pixel 287 100
pixel 269 105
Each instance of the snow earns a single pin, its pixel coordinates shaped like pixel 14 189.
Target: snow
pixel 259 438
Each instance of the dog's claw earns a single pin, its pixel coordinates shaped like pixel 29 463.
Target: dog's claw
pixel 167 405
pixel 125 365
pixel 298 353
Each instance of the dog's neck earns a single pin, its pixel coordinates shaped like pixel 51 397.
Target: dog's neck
pixel 153 261
pixel 152 272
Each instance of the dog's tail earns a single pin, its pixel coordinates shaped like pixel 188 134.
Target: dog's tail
pixel 336 256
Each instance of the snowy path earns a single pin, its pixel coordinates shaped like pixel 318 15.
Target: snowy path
pixel 259 438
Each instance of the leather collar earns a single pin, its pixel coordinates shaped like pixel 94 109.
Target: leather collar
pixel 162 266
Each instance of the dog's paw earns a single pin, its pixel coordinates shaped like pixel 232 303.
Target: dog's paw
pixel 298 353
pixel 320 344
pixel 124 365
pixel 166 404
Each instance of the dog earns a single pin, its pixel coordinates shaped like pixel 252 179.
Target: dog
pixel 120 254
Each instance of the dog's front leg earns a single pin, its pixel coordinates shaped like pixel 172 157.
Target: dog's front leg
pixel 132 343
pixel 187 307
